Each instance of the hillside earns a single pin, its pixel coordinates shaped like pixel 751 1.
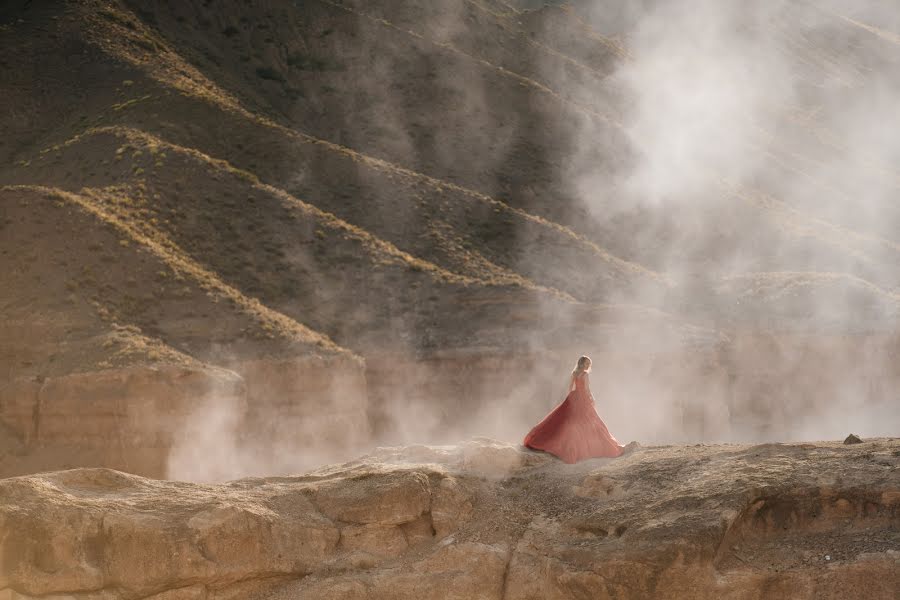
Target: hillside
pixel 369 217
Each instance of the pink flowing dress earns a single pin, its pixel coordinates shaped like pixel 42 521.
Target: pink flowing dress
pixel 574 431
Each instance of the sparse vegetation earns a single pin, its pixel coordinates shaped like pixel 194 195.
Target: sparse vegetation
pixel 115 16
pixel 270 74
pixel 129 103
pixel 308 62
pixel 245 175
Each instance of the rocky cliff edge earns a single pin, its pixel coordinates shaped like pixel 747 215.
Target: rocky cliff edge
pixel 479 520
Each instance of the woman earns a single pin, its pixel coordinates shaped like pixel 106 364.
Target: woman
pixel 573 431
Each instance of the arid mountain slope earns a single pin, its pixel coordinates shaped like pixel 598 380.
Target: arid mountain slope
pixel 476 239
pixel 263 87
pixel 369 207
pixel 167 265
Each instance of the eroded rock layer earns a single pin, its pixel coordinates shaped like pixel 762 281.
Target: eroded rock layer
pixel 478 520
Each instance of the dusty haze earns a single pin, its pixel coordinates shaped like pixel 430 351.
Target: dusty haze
pixel 712 97
pixel 403 224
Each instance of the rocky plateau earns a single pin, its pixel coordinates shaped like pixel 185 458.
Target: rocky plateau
pixel 477 520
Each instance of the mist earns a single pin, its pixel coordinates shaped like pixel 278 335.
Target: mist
pixel 789 103
pixel 748 158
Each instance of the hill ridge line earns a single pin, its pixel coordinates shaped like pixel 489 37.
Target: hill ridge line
pixel 383 164
pixel 883 34
pixel 374 243
pixel 586 110
pixel 801 222
pixel 506 18
pixel 781 159
pixel 830 139
pixel 172 254
pixel 820 275
pixel 617 48
pixel 236 107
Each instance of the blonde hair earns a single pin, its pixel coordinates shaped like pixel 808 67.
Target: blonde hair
pixel 581 366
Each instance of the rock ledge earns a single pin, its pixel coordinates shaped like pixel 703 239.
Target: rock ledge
pixel 480 520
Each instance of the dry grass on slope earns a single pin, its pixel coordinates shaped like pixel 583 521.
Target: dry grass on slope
pixel 148 158
pixel 146 163
pixel 292 256
pixel 373 248
pixel 782 283
pixel 131 278
pixel 56 314
pixel 829 300
pixel 463 236
pixel 187 35
pixel 564 101
pixel 498 237
pixel 870 250
pixel 121 34
pixel 496 234
pixel 500 38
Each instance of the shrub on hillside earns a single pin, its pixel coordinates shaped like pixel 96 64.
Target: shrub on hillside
pixel 269 73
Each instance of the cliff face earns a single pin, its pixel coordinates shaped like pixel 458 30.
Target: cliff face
pixel 129 423
pixel 478 520
pixel 177 422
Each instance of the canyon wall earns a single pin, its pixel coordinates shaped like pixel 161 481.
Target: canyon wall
pixel 289 415
pixel 118 418
pixel 143 419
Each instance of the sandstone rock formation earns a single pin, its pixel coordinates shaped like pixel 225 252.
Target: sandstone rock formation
pixel 480 520
pixel 176 421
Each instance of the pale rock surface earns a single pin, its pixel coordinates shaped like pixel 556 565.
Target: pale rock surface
pixel 481 520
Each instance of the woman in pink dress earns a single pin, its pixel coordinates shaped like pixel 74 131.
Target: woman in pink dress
pixel 573 430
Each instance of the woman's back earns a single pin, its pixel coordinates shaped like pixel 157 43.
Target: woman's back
pixel 579 381
pixel 573 430
pixel 580 394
